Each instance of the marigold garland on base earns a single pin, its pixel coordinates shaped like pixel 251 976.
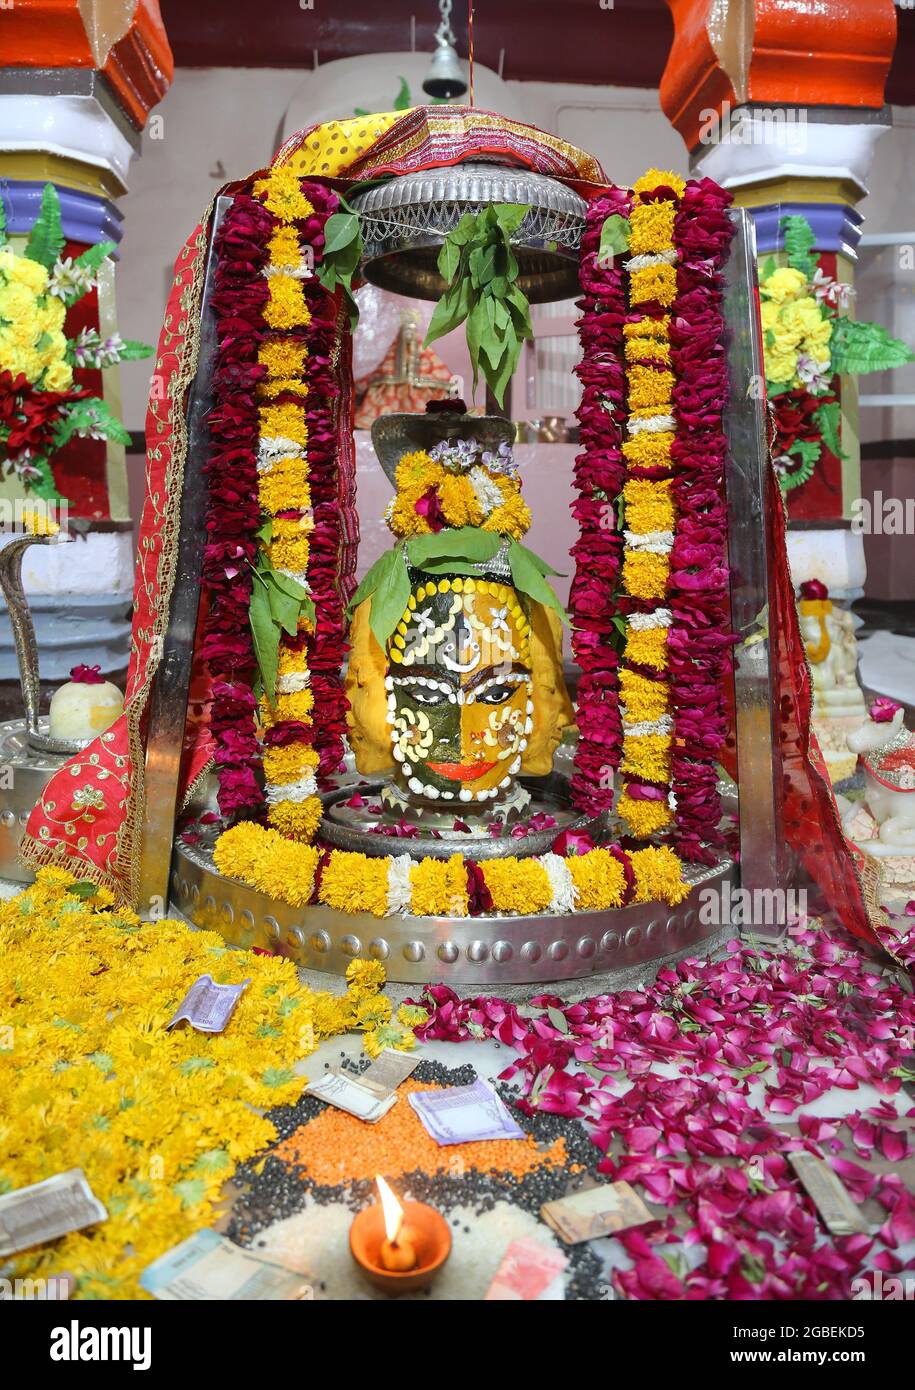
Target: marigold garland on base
pixel 596 880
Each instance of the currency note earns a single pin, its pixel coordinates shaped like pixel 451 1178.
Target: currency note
pixel 40 1213
pixel 208 1006
pixel 344 1091
pixel 526 1272
pixel 828 1193
pixel 206 1266
pixel 464 1114
pixel 595 1211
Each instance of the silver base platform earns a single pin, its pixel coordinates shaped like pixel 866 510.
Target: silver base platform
pixel 466 951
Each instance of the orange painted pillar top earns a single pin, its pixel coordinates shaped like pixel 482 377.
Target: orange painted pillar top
pixel 125 40
pixel 775 52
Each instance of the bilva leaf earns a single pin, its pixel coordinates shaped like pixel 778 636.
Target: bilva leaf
pixel 463 543
pixel 527 577
pixel 378 575
pixel 614 238
pixel 265 637
pixel 389 600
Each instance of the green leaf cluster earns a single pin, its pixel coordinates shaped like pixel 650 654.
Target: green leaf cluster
pixel 46 239
pixel 614 239
pixel 342 254
pixel 480 269
pixel 277 604
pixel 89 418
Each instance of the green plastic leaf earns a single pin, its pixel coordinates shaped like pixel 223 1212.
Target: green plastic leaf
pixel 89 418
pixel 865 347
pixel 527 576
pixel 826 418
pixel 799 244
pixel 46 239
pixel 463 543
pixel 614 238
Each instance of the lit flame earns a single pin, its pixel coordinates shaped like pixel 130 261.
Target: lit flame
pixel 393 1211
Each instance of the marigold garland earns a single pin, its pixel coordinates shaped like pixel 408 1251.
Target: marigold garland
pixel 157 1119
pixel 595 880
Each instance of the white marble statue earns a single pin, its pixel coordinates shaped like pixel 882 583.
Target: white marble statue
pixel 838 701
pixel 883 826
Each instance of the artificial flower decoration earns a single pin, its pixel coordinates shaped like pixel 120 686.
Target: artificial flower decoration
pixel 42 406
pixel 809 340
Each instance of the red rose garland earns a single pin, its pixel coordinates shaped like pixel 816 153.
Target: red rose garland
pixel 233 513
pixel 699 639
pixel 598 478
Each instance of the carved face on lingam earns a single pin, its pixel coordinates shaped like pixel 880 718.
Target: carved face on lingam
pixel 460 689
pixel 456 685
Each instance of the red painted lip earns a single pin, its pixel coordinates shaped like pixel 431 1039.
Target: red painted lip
pixel 461 772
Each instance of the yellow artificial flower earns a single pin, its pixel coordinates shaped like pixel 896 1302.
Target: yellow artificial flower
pixel 647 757
pixel 643 818
pixel 517 885
pixel 784 284
pixel 281 193
pixel 653 284
pixel 645 575
pixel 285 307
pixel 781 365
pixel 651 228
pixel 22 270
pixel 439 888
pixel 355 883
pixel 297 820
pixel 365 977
pixel 658 876
pixel 647 647
pixel 649 389
pixel 598 880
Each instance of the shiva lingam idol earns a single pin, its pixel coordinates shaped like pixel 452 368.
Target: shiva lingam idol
pixel 884 825
pixel 455 679
pixel 36 746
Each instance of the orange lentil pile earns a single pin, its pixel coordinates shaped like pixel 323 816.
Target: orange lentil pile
pixel 336 1148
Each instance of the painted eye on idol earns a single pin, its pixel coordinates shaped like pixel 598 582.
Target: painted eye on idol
pixel 496 694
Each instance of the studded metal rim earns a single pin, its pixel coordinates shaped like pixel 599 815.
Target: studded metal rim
pixel 417 950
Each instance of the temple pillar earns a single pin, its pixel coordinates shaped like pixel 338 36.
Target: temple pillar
pixel 782 102
pixel 79 79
